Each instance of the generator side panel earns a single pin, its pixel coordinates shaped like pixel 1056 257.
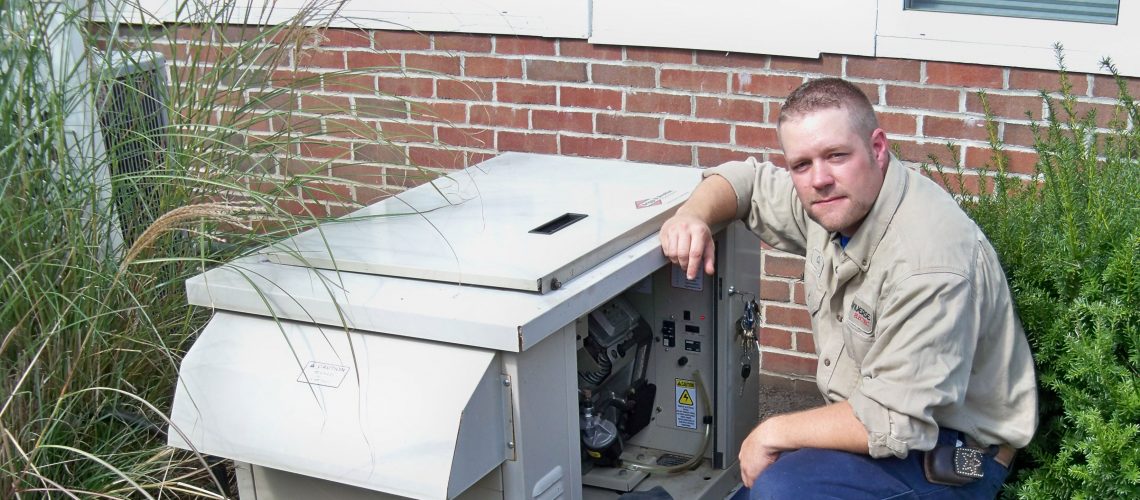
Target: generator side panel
pixel 547 456
pixel 738 368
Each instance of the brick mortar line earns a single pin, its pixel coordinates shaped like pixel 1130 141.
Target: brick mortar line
pixel 343 140
pixel 1004 92
pixel 533 107
pixel 596 135
pixel 908 111
pixel 787 376
pixel 974 172
pixel 957 141
pixel 788 304
pixel 797 354
pixel 599 135
pixel 783 279
pixel 419 73
pixel 920 112
pixel 624 62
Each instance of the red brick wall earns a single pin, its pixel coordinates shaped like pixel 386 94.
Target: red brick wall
pixel 447 101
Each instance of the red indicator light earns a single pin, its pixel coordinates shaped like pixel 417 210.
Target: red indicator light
pixel 702 317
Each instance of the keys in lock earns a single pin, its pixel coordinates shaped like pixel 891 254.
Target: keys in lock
pixel 746 331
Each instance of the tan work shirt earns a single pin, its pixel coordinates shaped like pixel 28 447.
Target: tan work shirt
pixel 913 320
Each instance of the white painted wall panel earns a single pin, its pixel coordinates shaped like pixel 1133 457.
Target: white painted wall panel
pixel 547 18
pixel 777 27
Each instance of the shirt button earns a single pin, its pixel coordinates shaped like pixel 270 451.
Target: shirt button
pixel 826 362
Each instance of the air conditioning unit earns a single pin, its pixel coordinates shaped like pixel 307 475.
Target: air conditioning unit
pixel 133 115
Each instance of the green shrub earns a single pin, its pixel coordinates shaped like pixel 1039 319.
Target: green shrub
pixel 1070 244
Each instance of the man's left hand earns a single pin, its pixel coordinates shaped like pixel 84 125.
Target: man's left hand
pixel 756 454
pixel 833 427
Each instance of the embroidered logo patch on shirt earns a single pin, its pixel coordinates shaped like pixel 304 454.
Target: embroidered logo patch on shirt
pixel 817 261
pixel 861 316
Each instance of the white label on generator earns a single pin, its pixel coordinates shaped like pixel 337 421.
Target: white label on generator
pixel 652 202
pixel 680 281
pixel 326 374
pixel 686 404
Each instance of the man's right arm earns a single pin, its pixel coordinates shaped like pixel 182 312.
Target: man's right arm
pixel 686 238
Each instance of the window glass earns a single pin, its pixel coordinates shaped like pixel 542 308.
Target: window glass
pixel 1085 11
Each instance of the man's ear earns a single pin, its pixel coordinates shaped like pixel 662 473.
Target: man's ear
pixel 880 148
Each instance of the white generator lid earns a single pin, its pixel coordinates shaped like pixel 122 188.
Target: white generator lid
pixel 491 318
pixel 519 221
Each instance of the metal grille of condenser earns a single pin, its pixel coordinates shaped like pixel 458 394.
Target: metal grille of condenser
pixel 133 115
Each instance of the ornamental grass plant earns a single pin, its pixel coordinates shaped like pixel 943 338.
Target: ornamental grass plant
pixel 1069 239
pixel 95 250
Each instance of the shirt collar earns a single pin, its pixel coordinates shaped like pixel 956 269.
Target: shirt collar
pixel 866 239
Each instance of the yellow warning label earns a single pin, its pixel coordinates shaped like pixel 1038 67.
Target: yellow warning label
pixel 685 399
pixel 684 409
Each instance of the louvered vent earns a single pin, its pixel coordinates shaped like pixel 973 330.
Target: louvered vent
pixel 133 117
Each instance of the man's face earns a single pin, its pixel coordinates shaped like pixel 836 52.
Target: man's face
pixel 836 172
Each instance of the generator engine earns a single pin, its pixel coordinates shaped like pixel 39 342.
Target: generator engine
pixel 614 398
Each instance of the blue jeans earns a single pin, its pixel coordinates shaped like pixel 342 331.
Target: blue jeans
pixel 814 473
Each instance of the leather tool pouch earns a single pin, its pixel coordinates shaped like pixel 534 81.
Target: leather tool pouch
pixel 953 466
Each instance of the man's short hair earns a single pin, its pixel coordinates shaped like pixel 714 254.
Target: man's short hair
pixel 831 93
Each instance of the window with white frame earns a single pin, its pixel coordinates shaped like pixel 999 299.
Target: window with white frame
pixel 1003 40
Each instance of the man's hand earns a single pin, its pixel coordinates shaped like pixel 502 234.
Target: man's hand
pixel 756 454
pixel 687 241
pixel 832 427
pixel 686 238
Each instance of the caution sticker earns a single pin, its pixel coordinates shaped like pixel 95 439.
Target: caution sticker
pixel 686 404
pixel 326 374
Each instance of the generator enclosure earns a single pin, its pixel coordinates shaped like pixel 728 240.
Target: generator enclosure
pixel 507 331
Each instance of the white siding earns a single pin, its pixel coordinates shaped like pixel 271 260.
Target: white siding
pixel 778 27
pixel 548 18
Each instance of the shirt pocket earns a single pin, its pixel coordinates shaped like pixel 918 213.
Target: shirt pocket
pixel 859 329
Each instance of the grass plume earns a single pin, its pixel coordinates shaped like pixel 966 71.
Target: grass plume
pixel 94 254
